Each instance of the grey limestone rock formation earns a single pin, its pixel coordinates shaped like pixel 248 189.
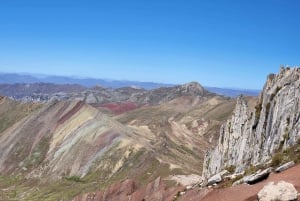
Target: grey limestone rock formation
pixel 253 134
pixel 214 179
pixel 259 176
pixel 285 166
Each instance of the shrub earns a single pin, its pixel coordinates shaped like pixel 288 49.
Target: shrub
pixel 258 109
pixel 252 169
pixel 74 178
pixel 277 159
pixel 231 169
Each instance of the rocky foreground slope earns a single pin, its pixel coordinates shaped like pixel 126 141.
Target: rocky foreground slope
pixel 246 192
pixel 255 133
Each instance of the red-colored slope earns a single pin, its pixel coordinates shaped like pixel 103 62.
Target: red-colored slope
pixel 119 108
pixel 246 192
pixel 128 191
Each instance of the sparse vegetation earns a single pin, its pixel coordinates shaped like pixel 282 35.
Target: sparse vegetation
pixel 258 109
pixel 38 154
pixel 231 169
pixel 268 106
pixel 11 112
pixel 290 154
pixel 277 159
pixel 229 182
pixel 74 178
pixel 275 93
pixel 252 169
pixel 288 120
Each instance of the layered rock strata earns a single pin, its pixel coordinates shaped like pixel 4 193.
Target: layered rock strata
pixel 254 134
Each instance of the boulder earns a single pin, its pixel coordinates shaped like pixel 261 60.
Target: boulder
pixel 214 179
pixel 257 177
pixel 217 178
pixel 188 180
pixel 282 191
pixel 285 167
pixel 189 188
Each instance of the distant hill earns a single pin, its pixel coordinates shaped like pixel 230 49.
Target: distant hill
pixel 233 92
pixel 44 92
pixel 13 78
pixel 75 146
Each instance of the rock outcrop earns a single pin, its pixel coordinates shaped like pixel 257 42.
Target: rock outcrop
pixel 285 167
pixel 254 134
pixel 214 179
pixel 259 176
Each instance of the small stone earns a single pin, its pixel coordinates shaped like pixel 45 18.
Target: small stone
pixel 188 188
pixel 214 179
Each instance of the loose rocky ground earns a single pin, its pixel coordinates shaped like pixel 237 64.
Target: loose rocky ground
pixel 244 192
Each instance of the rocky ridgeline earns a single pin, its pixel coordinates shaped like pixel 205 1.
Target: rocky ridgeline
pixel 253 135
pixel 45 92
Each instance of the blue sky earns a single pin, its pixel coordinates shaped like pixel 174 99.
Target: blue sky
pixel 217 43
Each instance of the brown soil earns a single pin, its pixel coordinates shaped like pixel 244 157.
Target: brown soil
pixel 119 108
pixel 247 192
pixel 76 108
pixel 127 191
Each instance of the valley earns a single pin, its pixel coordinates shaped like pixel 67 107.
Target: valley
pixel 134 144
pixel 57 144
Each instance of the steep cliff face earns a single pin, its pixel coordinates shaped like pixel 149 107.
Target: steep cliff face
pixel 253 134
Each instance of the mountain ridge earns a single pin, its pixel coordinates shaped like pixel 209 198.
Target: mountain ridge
pixel 163 138
pixel 14 78
pixel 43 92
pixel 255 133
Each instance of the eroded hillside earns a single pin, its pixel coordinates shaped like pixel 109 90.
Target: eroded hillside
pixel 64 148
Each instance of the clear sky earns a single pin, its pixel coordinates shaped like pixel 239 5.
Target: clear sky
pixel 217 43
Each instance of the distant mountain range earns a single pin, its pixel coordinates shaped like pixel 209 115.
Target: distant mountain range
pixel 13 78
pixel 233 92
